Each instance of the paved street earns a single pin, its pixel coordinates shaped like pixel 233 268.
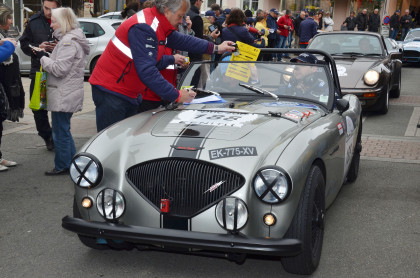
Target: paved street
pixel 372 229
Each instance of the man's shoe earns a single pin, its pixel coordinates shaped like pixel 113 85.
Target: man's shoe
pixel 55 172
pixel 7 163
pixel 3 168
pixel 49 143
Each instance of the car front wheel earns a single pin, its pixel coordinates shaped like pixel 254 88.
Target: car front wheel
pixel 383 103
pixel 308 225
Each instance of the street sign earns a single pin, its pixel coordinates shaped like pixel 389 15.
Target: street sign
pixel 386 20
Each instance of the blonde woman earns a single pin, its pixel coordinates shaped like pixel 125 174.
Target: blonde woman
pixel 65 68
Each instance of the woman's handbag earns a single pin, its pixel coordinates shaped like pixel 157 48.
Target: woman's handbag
pixel 39 94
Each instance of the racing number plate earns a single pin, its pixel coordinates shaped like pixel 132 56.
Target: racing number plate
pixel 232 151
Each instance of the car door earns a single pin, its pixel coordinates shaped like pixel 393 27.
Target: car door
pixel 91 32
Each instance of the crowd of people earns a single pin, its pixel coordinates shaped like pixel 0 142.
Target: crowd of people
pixel 141 65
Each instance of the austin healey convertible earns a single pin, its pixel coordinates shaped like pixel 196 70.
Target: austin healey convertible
pixel 249 167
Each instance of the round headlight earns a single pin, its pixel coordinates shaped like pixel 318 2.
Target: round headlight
pixel 272 185
pixel 86 170
pixel 110 204
pixel 371 77
pixel 231 213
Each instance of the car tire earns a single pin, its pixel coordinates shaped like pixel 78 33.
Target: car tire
pixel 93 64
pixel 395 93
pixel 308 225
pixel 355 162
pixel 87 241
pixel 383 103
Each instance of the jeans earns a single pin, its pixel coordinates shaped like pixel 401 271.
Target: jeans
pixel 283 44
pixel 63 141
pixel 404 32
pixel 393 34
pixel 110 109
pixel 41 117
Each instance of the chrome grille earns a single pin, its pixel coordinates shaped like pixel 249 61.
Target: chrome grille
pixel 185 182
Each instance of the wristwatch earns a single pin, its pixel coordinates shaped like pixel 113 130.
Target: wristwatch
pixel 216 49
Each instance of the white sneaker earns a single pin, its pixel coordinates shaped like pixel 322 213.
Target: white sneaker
pixel 7 163
pixel 3 168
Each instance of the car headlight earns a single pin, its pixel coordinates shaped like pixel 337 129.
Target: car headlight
pixel 231 213
pixel 272 185
pixel 110 204
pixel 371 77
pixel 86 170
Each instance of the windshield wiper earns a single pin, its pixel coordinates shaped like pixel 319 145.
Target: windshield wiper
pixel 259 90
pixel 205 91
pixel 353 53
pixel 373 54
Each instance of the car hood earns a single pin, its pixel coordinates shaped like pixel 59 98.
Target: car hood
pixel 208 134
pixel 411 45
pixel 351 70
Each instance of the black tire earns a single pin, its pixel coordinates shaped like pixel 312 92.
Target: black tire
pixel 395 93
pixel 383 103
pixel 88 241
pixel 355 162
pixel 308 225
pixel 93 64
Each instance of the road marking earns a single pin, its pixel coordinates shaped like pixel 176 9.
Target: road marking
pixel 412 129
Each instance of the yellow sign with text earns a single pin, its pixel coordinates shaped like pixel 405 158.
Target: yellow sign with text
pixel 239 71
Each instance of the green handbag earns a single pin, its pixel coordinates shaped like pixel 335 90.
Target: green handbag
pixel 39 94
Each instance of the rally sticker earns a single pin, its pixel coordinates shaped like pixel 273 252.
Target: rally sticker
pixel 232 151
pixel 214 118
pixel 340 128
pixel 341 70
pixel 292 116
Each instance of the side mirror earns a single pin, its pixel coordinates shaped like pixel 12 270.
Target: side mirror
pixel 342 105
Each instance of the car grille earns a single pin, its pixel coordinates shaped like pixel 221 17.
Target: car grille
pixel 185 182
pixel 411 53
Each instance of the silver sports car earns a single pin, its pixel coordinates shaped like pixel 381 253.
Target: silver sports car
pixel 249 167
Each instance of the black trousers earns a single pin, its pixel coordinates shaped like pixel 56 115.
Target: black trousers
pixel 1 135
pixel 41 117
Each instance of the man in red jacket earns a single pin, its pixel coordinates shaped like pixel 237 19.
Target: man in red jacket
pixel 134 62
pixel 285 26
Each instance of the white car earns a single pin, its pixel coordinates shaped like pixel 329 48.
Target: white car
pixel 98 31
pixel 112 15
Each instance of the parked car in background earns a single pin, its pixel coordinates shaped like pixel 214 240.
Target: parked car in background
pixel 112 15
pixel 365 67
pixel 249 167
pixel 98 31
pixel 411 47
pixel 392 46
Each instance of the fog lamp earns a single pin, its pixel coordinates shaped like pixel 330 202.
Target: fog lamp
pixel 86 202
pixel 110 204
pixel 232 213
pixel 269 219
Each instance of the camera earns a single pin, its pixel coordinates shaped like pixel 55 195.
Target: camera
pixel 212 28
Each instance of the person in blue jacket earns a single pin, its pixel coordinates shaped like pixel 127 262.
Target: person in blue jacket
pixel 307 30
pixel 7 47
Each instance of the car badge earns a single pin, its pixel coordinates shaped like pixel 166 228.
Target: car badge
pixel 214 187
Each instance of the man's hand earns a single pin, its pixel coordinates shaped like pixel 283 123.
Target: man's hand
pixel 48 46
pixel 226 46
pixel 189 23
pixel 215 34
pixel 187 95
pixel 179 59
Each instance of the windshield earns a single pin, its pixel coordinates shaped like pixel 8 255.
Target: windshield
pixel 262 80
pixel 412 35
pixel 344 43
